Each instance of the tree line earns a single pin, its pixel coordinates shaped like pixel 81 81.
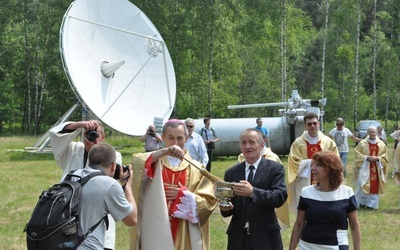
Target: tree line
pixel 225 52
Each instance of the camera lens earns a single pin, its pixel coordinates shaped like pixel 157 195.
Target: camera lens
pixel 92 135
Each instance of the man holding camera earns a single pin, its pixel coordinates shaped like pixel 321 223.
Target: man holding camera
pixel 151 139
pixel 114 200
pixel 71 155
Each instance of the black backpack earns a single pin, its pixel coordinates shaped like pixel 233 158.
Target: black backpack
pixel 54 221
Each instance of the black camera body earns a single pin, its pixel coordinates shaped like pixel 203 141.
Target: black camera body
pixel 92 135
pixel 117 171
pixel 152 132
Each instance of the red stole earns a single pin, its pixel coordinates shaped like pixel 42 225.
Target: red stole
pixel 311 150
pixel 373 170
pixel 172 178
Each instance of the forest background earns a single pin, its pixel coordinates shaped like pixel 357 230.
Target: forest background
pixel 225 52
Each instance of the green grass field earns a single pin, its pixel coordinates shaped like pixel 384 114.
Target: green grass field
pixel 24 175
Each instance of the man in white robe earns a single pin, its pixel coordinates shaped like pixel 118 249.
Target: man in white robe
pixel 370 171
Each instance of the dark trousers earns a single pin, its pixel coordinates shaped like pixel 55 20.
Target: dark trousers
pixel 246 240
pixel 210 154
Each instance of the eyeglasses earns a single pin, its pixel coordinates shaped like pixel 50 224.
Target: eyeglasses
pixel 312 123
pixel 189 126
pixel 339 124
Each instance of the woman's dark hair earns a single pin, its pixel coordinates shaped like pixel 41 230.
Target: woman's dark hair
pixel 332 163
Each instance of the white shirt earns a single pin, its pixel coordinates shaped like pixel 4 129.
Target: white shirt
pixel 341 138
pixel 197 148
pixel 247 169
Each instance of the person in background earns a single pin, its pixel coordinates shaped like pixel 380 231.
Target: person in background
pixel 259 189
pixel 299 160
pixel 263 130
pixel 396 137
pixel 326 209
pixel 396 154
pixel 210 137
pixel 195 144
pixel 340 135
pixel 175 200
pixel 370 171
pixel 381 134
pixel 104 195
pixel 151 139
pixel 71 155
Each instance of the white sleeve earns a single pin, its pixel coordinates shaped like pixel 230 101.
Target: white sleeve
pixel 304 169
pixel 60 143
pixel 395 134
pixel 203 152
pixel 187 208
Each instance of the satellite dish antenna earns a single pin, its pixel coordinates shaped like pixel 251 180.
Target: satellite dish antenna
pixel 117 64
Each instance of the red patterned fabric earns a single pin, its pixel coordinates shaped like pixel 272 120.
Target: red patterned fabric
pixel 311 150
pixel 172 178
pixel 373 170
pixel 149 167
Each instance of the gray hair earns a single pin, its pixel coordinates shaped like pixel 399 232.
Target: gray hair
pixel 371 128
pixel 175 123
pixel 260 135
pixel 340 120
pixel 189 120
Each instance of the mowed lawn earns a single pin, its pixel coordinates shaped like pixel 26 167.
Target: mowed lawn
pixel 24 175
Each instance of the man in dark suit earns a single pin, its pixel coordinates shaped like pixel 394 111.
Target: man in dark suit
pixel 259 189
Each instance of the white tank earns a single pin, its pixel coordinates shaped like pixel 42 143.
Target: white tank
pixel 230 129
pixel 282 130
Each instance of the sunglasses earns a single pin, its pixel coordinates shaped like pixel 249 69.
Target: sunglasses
pixel 339 124
pixel 312 123
pixel 189 126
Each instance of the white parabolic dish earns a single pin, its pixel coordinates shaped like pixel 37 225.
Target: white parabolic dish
pixel 117 36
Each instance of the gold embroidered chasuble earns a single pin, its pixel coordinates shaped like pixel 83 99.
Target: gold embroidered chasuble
pixel 153 230
pixel 363 150
pixel 298 153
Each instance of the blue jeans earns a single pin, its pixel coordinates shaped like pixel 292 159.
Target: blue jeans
pixel 343 157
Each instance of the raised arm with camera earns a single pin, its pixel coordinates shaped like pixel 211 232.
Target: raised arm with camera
pixel 71 155
pixel 151 139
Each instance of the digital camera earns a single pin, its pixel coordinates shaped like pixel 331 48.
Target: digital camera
pixel 92 135
pixel 117 171
pixel 152 132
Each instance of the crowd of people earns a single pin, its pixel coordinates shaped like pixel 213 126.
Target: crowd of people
pixel 167 196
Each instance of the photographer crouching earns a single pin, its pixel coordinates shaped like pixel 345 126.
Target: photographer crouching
pixel 151 139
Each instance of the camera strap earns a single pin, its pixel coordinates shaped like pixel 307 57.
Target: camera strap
pixel 85 156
